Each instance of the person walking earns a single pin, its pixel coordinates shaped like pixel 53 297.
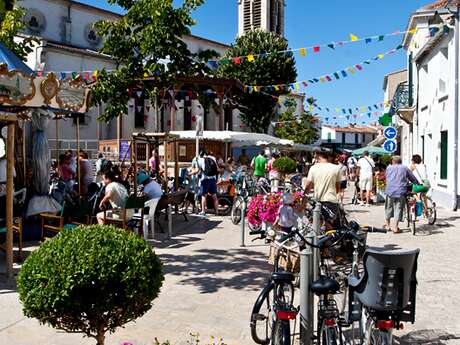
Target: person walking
pixel 206 168
pixel 152 164
pixel 366 167
pixel 343 178
pixel 259 165
pixel 324 177
pixel 352 164
pixel 273 173
pixel 397 178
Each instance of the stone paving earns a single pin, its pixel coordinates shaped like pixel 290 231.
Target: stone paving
pixel 211 284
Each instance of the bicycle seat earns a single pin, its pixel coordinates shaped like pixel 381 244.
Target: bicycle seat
pixel 282 277
pixel 324 286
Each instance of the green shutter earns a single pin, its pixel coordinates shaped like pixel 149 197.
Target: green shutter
pixel 410 77
pixel 443 170
pixel 329 137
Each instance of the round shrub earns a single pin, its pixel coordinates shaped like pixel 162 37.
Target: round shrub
pixel 91 279
pixel 285 165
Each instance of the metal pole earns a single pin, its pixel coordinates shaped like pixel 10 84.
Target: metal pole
pixel 306 296
pixel 78 160
pixel 170 221
pixel 317 231
pixel 242 223
pixel 9 200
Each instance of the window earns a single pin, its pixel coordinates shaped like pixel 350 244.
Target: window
pixel 228 118
pixel 343 138
pixel 356 138
pixel 443 168
pixel 423 147
pixel 329 137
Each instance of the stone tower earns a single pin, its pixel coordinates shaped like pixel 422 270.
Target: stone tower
pixel 267 15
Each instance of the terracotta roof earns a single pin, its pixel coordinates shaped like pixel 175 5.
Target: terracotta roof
pixel 355 129
pixel 441 4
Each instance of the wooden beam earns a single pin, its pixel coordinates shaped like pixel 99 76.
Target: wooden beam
pixel 176 165
pixel 9 199
pixel 78 160
pixel 8 117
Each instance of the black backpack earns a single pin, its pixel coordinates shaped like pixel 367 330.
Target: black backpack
pixel 106 165
pixel 210 167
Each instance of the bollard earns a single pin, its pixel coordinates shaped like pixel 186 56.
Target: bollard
pixel 170 222
pixel 306 296
pixel 317 231
pixel 242 223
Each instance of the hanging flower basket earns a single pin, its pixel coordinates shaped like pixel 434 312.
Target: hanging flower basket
pixel 265 208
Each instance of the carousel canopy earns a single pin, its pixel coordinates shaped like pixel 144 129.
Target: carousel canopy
pixel 12 61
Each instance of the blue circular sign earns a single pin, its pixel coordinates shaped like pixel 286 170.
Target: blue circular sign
pixel 390 132
pixel 389 146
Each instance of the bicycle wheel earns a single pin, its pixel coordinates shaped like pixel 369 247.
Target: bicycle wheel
pixel 381 337
pixel 281 333
pixel 330 336
pixel 431 211
pixel 261 322
pixel 237 210
pixel 408 215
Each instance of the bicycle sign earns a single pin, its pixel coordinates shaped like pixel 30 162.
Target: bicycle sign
pixel 390 133
pixel 389 146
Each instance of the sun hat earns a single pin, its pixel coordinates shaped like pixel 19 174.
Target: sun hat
pixel 142 177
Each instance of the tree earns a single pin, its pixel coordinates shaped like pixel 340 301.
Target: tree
pixel 302 129
pixel 258 109
pixel 11 22
pixel 90 280
pixel 147 41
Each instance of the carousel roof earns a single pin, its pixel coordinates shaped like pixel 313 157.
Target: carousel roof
pixel 12 61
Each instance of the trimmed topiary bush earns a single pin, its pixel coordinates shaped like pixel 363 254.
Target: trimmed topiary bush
pixel 285 165
pixel 91 279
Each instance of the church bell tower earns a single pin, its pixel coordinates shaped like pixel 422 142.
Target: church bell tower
pixel 267 15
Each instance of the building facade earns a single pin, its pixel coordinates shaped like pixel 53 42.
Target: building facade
pixel 267 15
pixel 347 138
pixel 427 103
pixel 68 42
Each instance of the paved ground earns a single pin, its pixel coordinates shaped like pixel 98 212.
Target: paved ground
pixel 211 284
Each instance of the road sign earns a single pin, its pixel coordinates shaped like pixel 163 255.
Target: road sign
pixel 390 132
pixel 389 146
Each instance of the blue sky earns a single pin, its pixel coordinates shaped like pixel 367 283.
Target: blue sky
pixel 314 22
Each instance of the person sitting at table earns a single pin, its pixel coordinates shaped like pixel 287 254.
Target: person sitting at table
pixel 115 195
pixel 150 188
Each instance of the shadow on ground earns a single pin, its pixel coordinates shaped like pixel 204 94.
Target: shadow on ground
pixel 426 337
pixel 212 269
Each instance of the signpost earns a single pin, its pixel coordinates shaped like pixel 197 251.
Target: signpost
pixel 390 133
pixel 390 146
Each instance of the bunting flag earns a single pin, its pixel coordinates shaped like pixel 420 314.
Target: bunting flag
pixel 351 70
pixel 303 51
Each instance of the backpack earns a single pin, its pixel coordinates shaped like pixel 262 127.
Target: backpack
pixel 210 167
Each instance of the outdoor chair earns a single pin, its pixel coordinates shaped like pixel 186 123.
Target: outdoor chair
pixel 150 207
pixel 17 229
pixel 126 219
pixel 54 223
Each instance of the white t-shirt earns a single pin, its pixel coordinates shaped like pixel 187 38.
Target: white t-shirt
pixel 153 190
pixel 420 172
pixel 366 164
pixel 324 177
pixel 351 162
pixel 343 172
pixel 119 194
pixel 201 165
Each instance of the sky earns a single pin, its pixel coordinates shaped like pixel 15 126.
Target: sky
pixel 309 23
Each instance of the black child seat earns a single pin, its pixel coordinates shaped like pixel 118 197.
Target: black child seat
pixel 325 286
pixel 387 286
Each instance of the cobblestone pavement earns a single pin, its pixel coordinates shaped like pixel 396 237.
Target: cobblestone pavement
pixel 212 282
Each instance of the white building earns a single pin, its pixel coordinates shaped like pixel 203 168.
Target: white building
pixel 428 101
pixel 68 43
pixel 267 15
pixel 347 138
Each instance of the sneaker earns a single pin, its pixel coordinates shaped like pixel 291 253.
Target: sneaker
pixel 202 214
pixel 361 203
pixel 368 205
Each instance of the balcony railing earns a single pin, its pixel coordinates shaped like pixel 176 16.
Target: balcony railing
pixel 403 96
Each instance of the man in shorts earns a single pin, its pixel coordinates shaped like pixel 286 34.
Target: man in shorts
pixel 208 184
pixel 397 178
pixel 366 167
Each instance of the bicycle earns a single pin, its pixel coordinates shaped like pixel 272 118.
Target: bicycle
pixel 428 210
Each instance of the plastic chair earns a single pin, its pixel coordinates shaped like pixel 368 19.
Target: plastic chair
pixel 388 284
pixel 149 220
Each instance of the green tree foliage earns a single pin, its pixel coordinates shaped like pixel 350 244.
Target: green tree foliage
pixel 259 108
pixel 11 23
pixel 146 42
pixel 302 129
pixel 91 280
pixel 285 165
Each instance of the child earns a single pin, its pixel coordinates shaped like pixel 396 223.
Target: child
pixel 286 217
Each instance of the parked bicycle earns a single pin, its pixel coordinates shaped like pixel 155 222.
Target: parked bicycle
pixel 419 208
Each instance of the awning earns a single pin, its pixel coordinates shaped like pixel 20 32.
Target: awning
pixel 12 61
pixel 371 149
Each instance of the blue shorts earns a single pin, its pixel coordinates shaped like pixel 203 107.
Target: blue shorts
pixel 208 186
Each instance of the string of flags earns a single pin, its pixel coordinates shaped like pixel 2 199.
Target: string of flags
pixel 351 70
pixel 349 111
pixel 306 51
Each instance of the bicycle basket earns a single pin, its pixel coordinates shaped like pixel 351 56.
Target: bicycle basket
pixel 289 260
pixel 342 253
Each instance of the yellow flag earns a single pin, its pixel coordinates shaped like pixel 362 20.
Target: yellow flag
pixel 337 110
pixel 351 70
pixel 322 79
pixel 250 57
pixel 310 108
pixel 303 52
pixel 255 88
pixel 146 74
pixel 353 37
pixel 277 87
pixel 363 109
pixel 381 56
pixel 412 31
pixel 297 86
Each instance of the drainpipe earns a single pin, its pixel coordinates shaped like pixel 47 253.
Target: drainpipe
pixel 456 114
